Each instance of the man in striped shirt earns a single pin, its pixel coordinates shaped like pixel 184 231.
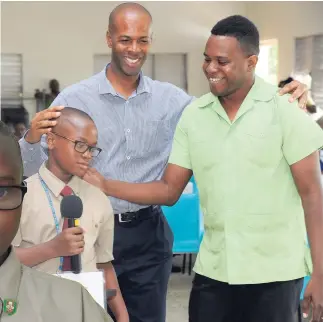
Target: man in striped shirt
pixel 136 118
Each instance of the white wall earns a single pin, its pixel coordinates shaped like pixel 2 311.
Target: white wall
pixel 58 39
pixel 285 21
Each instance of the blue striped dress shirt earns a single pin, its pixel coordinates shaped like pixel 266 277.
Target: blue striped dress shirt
pixel 135 134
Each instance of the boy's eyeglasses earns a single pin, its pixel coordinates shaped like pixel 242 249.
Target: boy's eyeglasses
pixel 82 147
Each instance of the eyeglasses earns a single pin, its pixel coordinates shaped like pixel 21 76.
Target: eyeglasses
pixel 11 197
pixel 82 147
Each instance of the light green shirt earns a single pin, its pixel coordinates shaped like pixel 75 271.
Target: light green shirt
pixel 253 216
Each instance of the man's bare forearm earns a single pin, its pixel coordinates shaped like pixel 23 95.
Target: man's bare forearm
pixel 35 255
pixel 313 205
pixel 150 193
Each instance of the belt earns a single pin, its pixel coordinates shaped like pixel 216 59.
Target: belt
pixel 136 215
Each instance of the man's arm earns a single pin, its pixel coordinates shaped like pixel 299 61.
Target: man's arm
pixel 307 177
pixel 302 138
pixel 33 143
pixel 116 303
pixel 298 91
pixel 163 192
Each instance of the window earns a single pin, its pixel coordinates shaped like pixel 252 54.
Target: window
pixel 308 65
pixel 268 61
pixel 170 68
pixel 11 79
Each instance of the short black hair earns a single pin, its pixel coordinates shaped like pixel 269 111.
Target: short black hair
pixel 125 6
pixel 9 145
pixel 242 29
pixel 68 114
pixel 69 111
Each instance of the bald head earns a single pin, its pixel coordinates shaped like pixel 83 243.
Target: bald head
pixel 127 9
pixel 71 117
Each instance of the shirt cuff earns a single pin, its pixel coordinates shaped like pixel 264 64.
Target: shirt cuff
pixel 104 258
pixel 26 145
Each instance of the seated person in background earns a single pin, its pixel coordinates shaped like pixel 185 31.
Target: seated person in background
pixel 26 294
pixel 19 129
pixel 41 243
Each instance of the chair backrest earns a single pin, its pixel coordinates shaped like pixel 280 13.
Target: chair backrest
pixel 186 220
pixel 306 280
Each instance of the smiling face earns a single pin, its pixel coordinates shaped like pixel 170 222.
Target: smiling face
pixel 129 37
pixel 226 65
pixel 62 147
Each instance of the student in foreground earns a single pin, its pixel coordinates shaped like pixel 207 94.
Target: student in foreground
pixel 43 242
pixel 25 293
pixel 255 160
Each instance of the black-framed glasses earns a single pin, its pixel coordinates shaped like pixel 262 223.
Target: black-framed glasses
pixel 11 197
pixel 82 147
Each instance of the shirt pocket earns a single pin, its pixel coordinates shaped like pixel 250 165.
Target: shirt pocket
pixel 155 136
pixel 260 146
pixel 206 151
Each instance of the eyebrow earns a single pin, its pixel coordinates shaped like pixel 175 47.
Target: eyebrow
pixel 129 37
pixel 83 140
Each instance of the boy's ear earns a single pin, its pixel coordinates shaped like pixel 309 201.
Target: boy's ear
pixel 50 141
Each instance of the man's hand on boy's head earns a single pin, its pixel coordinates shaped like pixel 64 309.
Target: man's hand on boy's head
pixel 95 178
pixel 42 123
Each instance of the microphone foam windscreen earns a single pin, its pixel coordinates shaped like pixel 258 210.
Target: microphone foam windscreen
pixel 71 207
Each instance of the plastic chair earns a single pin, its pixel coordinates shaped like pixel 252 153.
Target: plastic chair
pixel 185 219
pixel 306 280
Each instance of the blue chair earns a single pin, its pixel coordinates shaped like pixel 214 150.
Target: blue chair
pixel 306 280
pixel 185 219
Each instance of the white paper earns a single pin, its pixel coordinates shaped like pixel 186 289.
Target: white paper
pixel 92 281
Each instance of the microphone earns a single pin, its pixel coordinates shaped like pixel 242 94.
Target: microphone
pixel 72 209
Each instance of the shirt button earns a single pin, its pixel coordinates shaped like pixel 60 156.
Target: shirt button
pixel 31 149
pixel 128 130
pixel 127 102
pixel 128 158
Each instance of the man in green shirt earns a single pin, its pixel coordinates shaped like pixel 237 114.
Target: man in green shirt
pixel 255 160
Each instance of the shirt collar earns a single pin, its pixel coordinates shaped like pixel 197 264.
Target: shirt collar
pixel 105 87
pixel 260 91
pixel 10 277
pixel 55 185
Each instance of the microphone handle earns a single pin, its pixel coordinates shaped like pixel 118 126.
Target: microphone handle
pixel 76 265
pixel 71 222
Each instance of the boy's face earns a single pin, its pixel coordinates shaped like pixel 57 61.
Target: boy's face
pixel 62 147
pixel 10 175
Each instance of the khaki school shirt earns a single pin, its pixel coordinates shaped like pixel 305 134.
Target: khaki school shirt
pixel 40 297
pixel 37 224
